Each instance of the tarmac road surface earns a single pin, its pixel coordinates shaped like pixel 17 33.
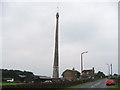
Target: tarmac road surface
pixel 99 84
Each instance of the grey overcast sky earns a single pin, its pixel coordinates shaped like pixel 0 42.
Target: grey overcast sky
pixel 28 29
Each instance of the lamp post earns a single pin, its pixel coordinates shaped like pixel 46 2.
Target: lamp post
pixel 82 60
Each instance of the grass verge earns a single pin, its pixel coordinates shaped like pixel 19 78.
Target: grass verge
pixel 6 84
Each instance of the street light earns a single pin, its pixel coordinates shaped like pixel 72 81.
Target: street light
pixel 82 60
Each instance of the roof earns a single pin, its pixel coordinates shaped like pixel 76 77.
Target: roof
pixel 71 71
pixel 43 77
pixel 87 70
pixel 22 76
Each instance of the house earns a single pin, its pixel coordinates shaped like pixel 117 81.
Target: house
pixel 88 74
pixel 70 75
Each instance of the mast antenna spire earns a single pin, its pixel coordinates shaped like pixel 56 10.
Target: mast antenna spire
pixel 56 51
pixel 57 5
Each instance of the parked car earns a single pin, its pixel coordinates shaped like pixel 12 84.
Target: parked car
pixel 110 82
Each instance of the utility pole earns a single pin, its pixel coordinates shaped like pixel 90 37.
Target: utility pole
pixel 111 69
pixel 108 70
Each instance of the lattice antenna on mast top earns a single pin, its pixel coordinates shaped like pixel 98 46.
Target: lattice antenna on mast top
pixel 57 5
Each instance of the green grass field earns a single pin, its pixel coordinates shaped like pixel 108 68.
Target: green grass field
pixel 5 84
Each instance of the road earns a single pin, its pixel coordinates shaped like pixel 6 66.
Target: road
pixel 97 84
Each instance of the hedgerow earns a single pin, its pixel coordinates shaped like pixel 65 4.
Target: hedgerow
pixel 49 85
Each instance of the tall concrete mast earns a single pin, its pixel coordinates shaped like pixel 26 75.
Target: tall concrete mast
pixel 56 53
